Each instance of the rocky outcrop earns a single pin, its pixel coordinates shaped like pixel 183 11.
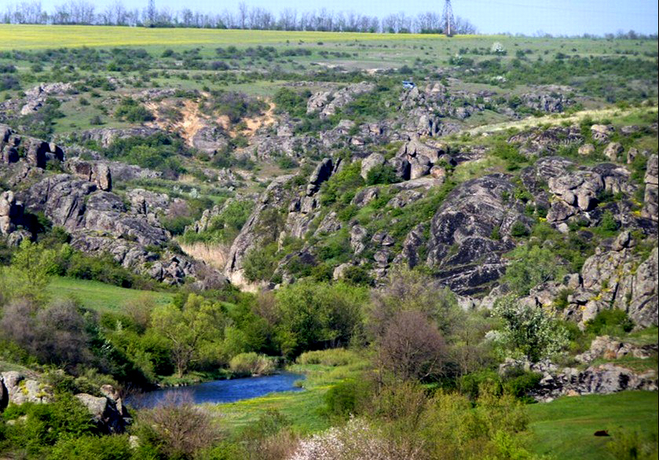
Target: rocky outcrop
pixel 328 103
pixel 605 347
pixel 36 152
pixel 650 202
pixel 322 172
pixel 104 137
pixel 598 379
pixel 96 172
pixel 20 389
pixel 574 192
pixel 11 212
pixel 108 414
pixel 617 278
pixel 264 225
pixel 107 410
pixel 546 141
pixel 371 162
pixel 461 233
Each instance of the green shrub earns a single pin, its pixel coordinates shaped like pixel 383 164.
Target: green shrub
pixel 115 447
pixel 611 322
pixel 251 364
pixel 260 263
pixel 520 385
pixel 346 398
pixel 133 112
pixel 382 174
pixel 632 445
pixel 332 357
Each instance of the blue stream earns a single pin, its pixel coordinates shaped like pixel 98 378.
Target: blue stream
pixel 222 391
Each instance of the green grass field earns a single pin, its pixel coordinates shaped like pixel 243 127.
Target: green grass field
pixel 303 408
pixel 564 429
pixel 102 297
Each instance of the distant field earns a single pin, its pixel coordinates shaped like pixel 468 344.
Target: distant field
pixel 25 37
pixel 99 296
pixel 426 46
pixel 564 429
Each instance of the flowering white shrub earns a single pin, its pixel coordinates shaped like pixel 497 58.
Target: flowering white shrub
pixel 497 48
pixel 357 440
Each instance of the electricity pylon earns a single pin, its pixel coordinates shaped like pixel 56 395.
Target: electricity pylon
pixel 448 20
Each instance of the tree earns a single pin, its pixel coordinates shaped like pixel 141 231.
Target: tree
pixel 528 330
pixel 30 272
pixel 319 315
pixel 411 347
pixel 186 328
pixel 531 265
pixel 411 290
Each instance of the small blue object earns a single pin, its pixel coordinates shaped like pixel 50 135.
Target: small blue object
pixel 408 84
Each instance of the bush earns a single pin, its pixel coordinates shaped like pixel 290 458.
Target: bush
pixel 610 322
pixel 528 330
pixel 251 364
pixel 382 174
pixel 530 265
pixel 131 111
pixel 38 426
pixel 347 398
pixel 332 357
pixel 114 447
pixel 176 429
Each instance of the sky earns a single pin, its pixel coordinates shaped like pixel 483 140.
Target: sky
pixel 569 17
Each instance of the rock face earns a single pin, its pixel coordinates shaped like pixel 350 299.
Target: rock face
pixel 109 414
pixel 327 103
pixel 263 225
pixel 10 212
pixel 107 411
pixel 602 379
pixel 546 141
pixel 104 137
pixel 650 204
pixel 371 162
pixel 461 241
pixel 607 348
pixel 37 152
pixel 96 172
pixel 617 278
pixel 19 389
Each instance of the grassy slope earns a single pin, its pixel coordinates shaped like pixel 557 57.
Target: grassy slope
pixel 564 429
pixel 302 408
pixel 99 296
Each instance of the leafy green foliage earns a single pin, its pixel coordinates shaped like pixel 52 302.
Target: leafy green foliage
pixel 382 174
pixel 610 322
pixel 528 330
pixel 530 265
pixel 132 111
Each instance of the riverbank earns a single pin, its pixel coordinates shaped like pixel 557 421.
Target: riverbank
pixel 304 409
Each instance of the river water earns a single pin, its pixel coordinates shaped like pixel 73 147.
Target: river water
pixel 221 391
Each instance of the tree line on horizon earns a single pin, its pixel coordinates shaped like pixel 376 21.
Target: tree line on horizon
pixel 246 17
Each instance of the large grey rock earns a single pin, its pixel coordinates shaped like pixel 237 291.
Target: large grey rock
pixel 613 151
pixel 322 172
pixel 21 389
pixel 372 161
pixel 328 103
pixel 461 242
pixel 107 413
pixel 651 200
pixel 10 212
